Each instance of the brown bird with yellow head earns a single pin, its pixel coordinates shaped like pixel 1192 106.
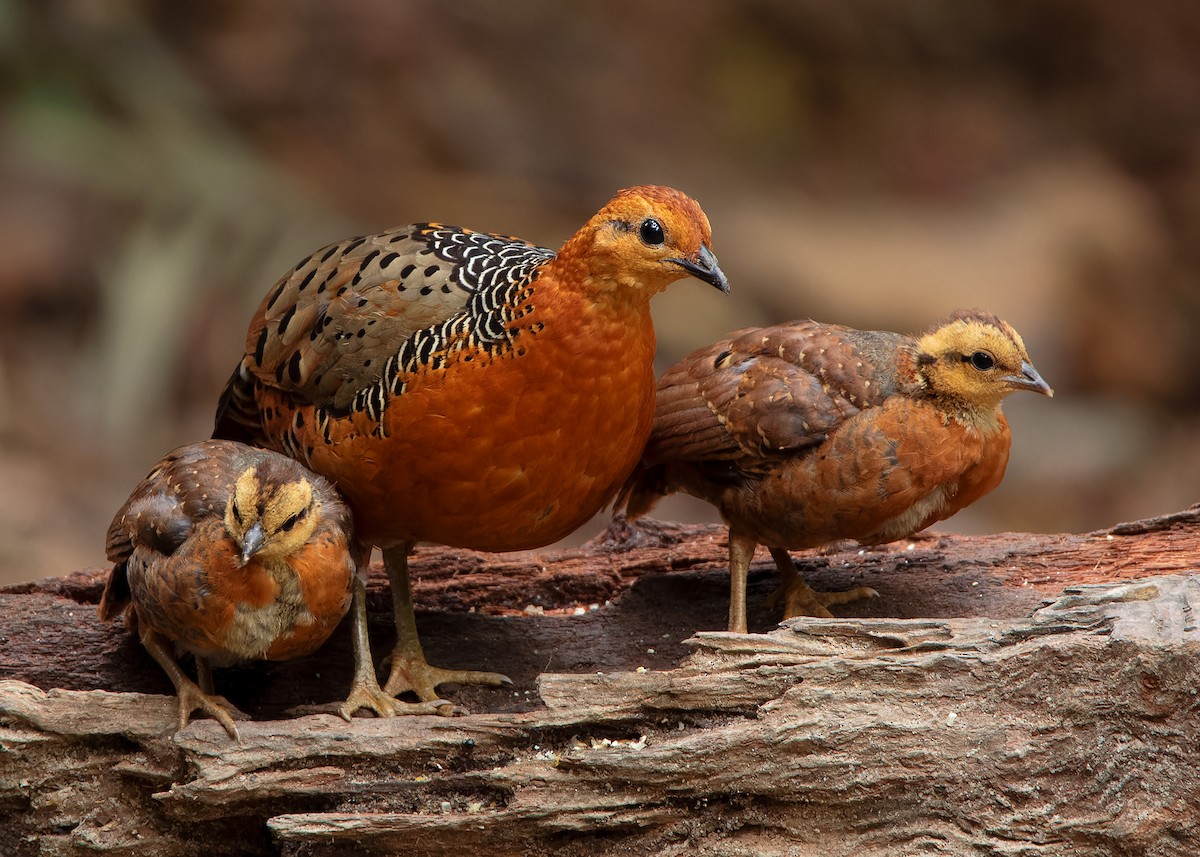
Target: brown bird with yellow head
pixel 805 433
pixel 231 554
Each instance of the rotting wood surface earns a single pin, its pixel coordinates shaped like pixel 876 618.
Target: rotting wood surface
pixel 1006 695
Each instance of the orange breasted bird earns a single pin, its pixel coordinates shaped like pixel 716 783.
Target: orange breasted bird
pixel 465 388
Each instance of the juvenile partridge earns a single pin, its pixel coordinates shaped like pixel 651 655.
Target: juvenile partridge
pixel 465 388
pixel 805 433
pixel 230 553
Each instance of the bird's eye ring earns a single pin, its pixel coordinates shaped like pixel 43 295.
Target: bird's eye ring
pixel 982 361
pixel 651 232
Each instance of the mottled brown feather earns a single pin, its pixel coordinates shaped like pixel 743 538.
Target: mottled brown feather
pixel 180 570
pixel 805 433
pixel 325 329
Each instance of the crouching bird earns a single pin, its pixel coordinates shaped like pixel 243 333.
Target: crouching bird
pixel 230 553
pixel 465 388
pixel 805 433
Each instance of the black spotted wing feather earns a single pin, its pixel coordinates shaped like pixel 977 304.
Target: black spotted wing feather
pixel 326 329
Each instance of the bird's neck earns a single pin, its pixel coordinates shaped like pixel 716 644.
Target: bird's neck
pixel 985 419
pixel 607 318
pixel 603 276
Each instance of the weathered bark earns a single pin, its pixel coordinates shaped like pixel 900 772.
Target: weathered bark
pixel 1006 695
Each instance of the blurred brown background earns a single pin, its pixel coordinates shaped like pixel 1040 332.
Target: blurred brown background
pixel 871 162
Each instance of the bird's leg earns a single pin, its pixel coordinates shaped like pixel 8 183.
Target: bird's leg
pixel 741 554
pixel 799 599
pixel 204 676
pixel 409 669
pixel 189 694
pixel 365 691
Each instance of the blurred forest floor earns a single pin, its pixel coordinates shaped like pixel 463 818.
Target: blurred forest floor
pixel 869 162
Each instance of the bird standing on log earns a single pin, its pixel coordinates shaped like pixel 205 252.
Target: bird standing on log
pixel 805 433
pixel 465 388
pixel 230 553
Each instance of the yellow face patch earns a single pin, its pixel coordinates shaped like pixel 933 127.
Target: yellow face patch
pixel 973 360
pixel 287 513
pixel 241 512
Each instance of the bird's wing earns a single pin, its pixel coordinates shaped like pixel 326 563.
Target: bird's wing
pixel 176 591
pixel 152 517
pixel 188 485
pixel 154 522
pixel 327 328
pixel 762 393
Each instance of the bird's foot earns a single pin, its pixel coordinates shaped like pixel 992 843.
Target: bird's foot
pixel 192 698
pixel 366 693
pixel 409 672
pixel 799 599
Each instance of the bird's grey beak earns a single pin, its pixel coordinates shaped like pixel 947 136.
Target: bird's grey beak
pixel 252 541
pixel 1029 379
pixel 705 268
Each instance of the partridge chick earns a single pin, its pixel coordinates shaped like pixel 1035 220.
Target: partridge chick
pixel 230 553
pixel 465 388
pixel 805 433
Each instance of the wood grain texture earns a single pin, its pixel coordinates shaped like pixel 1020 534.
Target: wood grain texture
pixel 1007 695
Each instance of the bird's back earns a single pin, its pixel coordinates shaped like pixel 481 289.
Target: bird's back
pixel 368 307
pixel 768 392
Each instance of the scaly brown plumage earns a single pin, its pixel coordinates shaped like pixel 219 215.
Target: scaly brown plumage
pixel 466 388
pixel 230 553
pixel 806 433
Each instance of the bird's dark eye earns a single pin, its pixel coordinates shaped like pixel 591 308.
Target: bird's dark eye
pixel 982 361
pixel 651 232
pixel 295 519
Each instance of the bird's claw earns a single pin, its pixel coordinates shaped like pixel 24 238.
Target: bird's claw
pixel 799 599
pixel 408 674
pixel 448 709
pixel 384 705
pixel 192 698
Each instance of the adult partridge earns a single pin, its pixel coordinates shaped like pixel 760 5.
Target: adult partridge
pixel 465 388
pixel 230 553
pixel 805 433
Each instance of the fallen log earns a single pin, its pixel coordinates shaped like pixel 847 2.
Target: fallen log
pixel 1012 694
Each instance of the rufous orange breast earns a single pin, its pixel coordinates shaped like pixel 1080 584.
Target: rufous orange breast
pixel 496 453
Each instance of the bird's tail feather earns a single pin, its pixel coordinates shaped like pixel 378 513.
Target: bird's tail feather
pixel 644 487
pixel 238 417
pixel 116 595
